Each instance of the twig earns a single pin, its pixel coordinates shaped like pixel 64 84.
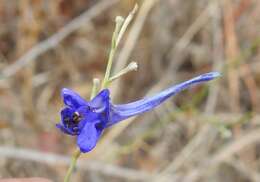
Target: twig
pixel 245 70
pixel 175 53
pixel 218 55
pixel 225 154
pixel 245 170
pixel 186 153
pixel 55 39
pixel 241 143
pixel 232 50
pixel 54 159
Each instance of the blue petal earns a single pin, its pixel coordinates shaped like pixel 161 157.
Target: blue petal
pixel 89 136
pixel 121 112
pixel 100 103
pixel 72 99
pixel 65 130
pixel 66 112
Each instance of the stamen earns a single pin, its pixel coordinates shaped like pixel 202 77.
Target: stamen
pixel 76 117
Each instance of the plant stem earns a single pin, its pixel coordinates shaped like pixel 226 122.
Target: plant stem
pixel 95 88
pixel 126 23
pixel 111 55
pixel 73 163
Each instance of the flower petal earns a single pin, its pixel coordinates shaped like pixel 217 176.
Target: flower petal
pixel 101 105
pixel 88 137
pixel 65 130
pixel 72 99
pixel 66 112
pixel 121 112
pixel 101 102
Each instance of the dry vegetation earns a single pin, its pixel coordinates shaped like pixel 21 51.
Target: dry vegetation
pixel 208 133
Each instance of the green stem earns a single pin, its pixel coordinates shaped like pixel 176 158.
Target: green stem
pixel 95 88
pixel 73 163
pixel 105 82
pixel 110 61
pixel 126 23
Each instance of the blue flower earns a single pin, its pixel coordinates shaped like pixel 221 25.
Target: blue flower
pixel 88 119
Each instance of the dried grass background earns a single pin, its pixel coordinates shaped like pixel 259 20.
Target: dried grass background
pixel 208 133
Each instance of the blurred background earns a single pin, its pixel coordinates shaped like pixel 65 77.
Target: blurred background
pixel 207 133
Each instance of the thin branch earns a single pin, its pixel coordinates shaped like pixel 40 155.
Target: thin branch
pixel 241 143
pixel 217 56
pixel 54 159
pixel 244 169
pixel 55 39
pixel 225 154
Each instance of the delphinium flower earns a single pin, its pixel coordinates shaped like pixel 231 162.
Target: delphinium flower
pixel 88 119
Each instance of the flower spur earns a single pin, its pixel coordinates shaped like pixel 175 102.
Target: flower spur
pixel 88 119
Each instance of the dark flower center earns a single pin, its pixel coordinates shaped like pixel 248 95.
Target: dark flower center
pixel 76 118
pixel 72 122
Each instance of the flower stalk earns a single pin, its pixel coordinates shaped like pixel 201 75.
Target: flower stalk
pixel 73 163
pixel 95 88
pixel 112 53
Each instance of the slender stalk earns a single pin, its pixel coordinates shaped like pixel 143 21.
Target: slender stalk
pixel 95 88
pixel 111 53
pixel 126 23
pixel 73 163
